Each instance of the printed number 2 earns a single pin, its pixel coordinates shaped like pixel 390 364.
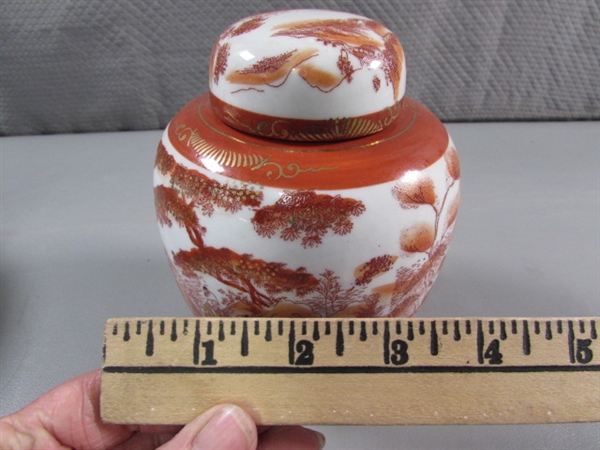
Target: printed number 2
pixel 306 350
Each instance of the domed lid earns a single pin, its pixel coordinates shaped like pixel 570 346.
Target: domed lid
pixel 307 75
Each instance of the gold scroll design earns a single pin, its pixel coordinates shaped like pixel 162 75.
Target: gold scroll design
pixel 230 158
pixel 342 128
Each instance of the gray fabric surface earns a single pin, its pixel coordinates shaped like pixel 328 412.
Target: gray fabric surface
pixel 94 65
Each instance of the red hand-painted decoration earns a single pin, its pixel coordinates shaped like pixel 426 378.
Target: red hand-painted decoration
pixel 245 27
pixel 220 64
pixel 352 36
pixel 307 214
pixel 259 279
pixel 373 268
pixel 413 282
pixel 332 299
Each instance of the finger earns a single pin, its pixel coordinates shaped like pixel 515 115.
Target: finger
pixel 67 416
pixel 287 437
pixel 221 427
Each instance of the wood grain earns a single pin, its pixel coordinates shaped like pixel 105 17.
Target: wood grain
pixel 353 371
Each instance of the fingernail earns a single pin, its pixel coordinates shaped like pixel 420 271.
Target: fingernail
pixel 322 440
pixel 229 428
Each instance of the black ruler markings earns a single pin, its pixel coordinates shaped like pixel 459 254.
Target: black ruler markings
pixel 351 369
pixel 579 337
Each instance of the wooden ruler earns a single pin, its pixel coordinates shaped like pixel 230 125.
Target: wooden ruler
pixel 353 371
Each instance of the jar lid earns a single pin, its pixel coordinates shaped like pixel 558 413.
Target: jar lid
pixel 307 75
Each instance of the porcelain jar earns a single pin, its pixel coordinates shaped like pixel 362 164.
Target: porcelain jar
pixel 305 183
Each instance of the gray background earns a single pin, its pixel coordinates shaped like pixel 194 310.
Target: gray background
pixel 80 244
pixel 79 241
pixel 106 65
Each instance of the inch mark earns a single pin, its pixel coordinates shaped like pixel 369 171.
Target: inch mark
pixel 150 340
pixel 445 327
pixel 491 327
pixel 536 327
pixel 115 330
pixel 196 345
pixel 386 342
pixel 339 340
pixel 571 339
pixel 526 339
pixel 513 326
pixel 327 328
pixel 351 328
pixel 291 342
pixel 232 331
pixel 138 328
pixel 479 342
pixel 468 327
pixel 162 328
pixel 256 328
pixel 304 328
pixel 185 327
pixel 421 327
pixel 280 328
pixel 398 327
pixel 209 328
pixel 434 345
pixel 268 335
pixel 245 343
pixel 593 332
pixel 375 330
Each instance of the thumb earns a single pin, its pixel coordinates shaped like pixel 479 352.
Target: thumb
pixel 221 427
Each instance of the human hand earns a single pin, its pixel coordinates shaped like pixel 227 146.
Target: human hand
pixel 68 416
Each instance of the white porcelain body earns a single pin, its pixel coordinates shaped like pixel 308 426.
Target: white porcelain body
pixel 304 183
pixel 308 65
pixel 382 262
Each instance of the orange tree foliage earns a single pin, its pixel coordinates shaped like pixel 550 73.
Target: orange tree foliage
pixel 307 214
pixel 189 190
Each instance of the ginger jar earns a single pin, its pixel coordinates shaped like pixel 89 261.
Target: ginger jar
pixel 305 183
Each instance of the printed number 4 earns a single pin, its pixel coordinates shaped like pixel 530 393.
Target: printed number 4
pixel 493 352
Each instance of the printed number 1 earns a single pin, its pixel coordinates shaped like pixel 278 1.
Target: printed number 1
pixel 209 353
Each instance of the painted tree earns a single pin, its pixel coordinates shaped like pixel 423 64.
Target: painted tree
pixel 432 240
pixel 307 215
pixel 352 37
pixel 191 191
pixel 373 268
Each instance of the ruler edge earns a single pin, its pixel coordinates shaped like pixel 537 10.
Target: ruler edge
pixel 116 320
